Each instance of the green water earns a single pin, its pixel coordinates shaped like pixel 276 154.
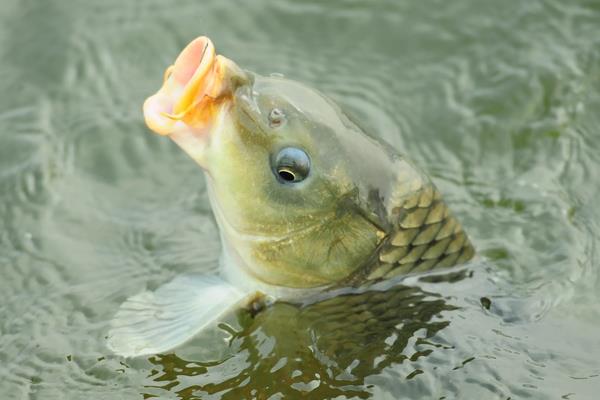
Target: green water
pixel 498 101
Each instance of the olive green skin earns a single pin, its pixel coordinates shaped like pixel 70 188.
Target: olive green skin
pixel 364 213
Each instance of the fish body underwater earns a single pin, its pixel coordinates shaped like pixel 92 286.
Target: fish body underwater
pixel 305 201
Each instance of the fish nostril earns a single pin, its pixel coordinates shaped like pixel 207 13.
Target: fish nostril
pixel 276 118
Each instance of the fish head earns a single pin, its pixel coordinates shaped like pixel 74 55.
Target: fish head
pixel 291 178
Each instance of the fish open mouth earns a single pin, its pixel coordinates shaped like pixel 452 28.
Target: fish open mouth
pixel 193 88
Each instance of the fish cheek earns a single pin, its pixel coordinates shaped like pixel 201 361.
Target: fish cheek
pixel 325 238
pixel 240 174
pixel 326 252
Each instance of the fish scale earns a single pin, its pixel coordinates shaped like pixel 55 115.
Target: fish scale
pixel 424 235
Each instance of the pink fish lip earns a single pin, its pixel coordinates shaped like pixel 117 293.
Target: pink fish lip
pixel 188 62
pixel 194 88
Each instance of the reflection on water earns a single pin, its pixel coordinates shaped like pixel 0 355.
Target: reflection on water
pixel 498 101
pixel 326 348
pixel 405 338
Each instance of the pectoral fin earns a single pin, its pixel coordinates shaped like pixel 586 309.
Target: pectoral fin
pixel 155 322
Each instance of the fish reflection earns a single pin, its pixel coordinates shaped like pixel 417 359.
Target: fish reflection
pixel 323 349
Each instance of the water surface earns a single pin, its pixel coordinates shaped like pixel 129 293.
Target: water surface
pixel 498 101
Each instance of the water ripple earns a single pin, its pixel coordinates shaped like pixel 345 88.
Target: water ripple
pixel 498 102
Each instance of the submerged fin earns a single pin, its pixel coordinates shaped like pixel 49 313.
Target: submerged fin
pixel 155 322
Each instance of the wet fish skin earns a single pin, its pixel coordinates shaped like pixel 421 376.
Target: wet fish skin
pixel 361 214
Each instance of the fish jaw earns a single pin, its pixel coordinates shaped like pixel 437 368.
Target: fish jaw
pixel 197 90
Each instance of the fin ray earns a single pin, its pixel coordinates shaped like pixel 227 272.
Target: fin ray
pixel 155 322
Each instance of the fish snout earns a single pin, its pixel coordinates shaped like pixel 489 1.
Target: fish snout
pixel 194 88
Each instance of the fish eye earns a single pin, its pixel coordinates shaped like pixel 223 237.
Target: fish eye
pixel 291 165
pixel 276 118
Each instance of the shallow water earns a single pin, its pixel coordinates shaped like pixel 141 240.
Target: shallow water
pixel 498 101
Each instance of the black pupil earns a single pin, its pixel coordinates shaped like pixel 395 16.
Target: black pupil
pixel 291 165
pixel 286 175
